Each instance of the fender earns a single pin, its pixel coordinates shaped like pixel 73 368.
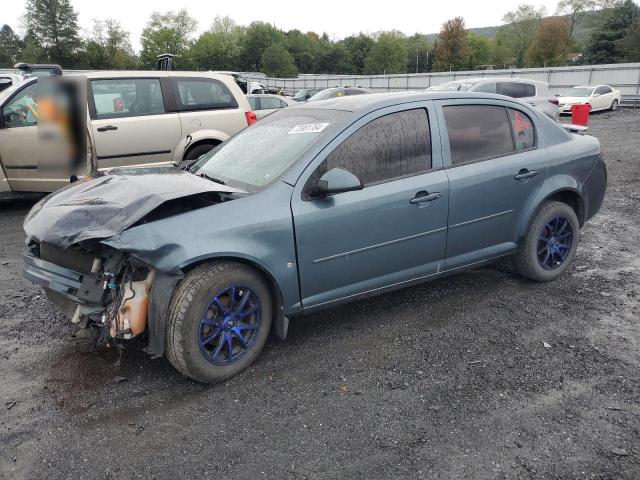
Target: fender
pixel 185 142
pixel 551 186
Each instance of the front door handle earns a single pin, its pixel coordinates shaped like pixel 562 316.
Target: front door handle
pixel 107 128
pixel 525 174
pixel 424 197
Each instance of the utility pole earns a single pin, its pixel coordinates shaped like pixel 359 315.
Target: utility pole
pixel 416 60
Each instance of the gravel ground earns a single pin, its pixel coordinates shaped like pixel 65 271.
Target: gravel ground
pixel 479 375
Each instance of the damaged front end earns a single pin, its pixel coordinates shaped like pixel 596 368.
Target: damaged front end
pixel 96 287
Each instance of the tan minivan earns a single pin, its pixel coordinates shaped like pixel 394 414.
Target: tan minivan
pixel 133 117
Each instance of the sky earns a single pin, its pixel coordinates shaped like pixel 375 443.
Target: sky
pixel 338 18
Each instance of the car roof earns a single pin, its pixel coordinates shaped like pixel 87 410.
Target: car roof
pixel 373 101
pixel 147 73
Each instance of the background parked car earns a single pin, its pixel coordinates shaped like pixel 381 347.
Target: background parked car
pixel 265 104
pixel 533 92
pixel 336 92
pixel 305 94
pixel 600 97
pixel 247 86
pixel 135 118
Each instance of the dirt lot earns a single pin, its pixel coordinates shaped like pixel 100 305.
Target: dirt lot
pixel 451 379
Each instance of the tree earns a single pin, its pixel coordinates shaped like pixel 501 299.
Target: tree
pixel 53 25
pixel 606 45
pixel 629 45
pixel 108 47
pixel 551 43
pixel 358 48
pixel 259 36
pixel 452 51
pixel 167 33
pixel 334 58
pixel 10 46
pixel 520 30
pixel 418 50
pixel 278 62
pixel 572 9
pixel 479 50
pixel 219 48
pixel 388 54
pixel 305 49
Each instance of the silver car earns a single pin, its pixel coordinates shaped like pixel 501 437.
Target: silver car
pixel 265 104
pixel 533 92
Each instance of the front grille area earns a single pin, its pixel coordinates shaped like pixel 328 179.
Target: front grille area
pixel 69 258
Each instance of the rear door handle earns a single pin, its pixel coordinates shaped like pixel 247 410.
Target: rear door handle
pixel 107 128
pixel 424 197
pixel 525 174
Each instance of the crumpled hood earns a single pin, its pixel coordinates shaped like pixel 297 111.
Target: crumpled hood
pixel 109 204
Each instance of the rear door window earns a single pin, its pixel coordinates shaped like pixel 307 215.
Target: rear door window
pixel 127 97
pixel 253 102
pixel 203 94
pixel 392 146
pixel 271 102
pixel 477 132
pixel 524 135
pixel 517 89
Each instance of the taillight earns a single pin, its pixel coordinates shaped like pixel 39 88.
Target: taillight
pixel 554 101
pixel 251 117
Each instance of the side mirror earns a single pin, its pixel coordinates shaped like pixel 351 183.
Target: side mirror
pixel 307 96
pixel 596 95
pixel 335 181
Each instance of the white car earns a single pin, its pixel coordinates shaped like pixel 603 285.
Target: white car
pixel 133 118
pixel 600 97
pixel 533 92
pixel 267 103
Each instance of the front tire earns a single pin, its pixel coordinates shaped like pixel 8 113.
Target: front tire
pixel 614 105
pixel 196 152
pixel 550 243
pixel 218 321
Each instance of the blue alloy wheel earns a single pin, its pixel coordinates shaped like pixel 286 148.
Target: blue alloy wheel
pixel 229 325
pixel 554 243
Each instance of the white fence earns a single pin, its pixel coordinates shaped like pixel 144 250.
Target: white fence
pixel 623 76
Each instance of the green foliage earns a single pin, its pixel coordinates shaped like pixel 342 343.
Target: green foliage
pixel 629 44
pixel 520 30
pixel 220 47
pixel 10 47
pixel 480 50
pixel 418 51
pixel 358 48
pixel 168 33
pixel 278 62
pixel 108 47
pixel 53 27
pixel 259 36
pixel 305 49
pixel 388 54
pixel 607 44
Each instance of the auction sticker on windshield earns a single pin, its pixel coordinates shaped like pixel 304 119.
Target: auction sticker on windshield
pixel 308 128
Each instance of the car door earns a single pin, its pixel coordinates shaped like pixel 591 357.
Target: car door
pixel 130 121
pixel 605 97
pixel 26 158
pixel 391 232
pixel 207 104
pixel 496 163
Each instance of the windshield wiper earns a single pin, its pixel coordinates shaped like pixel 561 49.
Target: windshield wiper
pixel 213 179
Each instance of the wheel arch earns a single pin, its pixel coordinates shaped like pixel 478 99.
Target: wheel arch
pixel 279 322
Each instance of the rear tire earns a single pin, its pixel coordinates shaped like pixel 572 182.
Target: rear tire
pixel 614 105
pixel 549 244
pixel 212 303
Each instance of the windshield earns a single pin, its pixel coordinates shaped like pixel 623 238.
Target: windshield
pixel 578 92
pixel 258 155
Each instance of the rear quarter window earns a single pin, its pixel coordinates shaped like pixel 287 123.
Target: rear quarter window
pixel 524 135
pixel 203 94
pixel 517 89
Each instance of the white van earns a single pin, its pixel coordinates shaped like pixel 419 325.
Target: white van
pixel 134 118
